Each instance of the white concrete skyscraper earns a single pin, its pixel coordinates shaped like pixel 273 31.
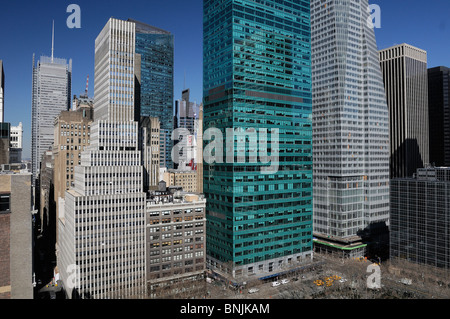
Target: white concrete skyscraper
pixel 102 227
pixel 350 126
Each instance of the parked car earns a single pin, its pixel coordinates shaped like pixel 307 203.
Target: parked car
pixel 253 290
pixel 275 283
pixel 285 281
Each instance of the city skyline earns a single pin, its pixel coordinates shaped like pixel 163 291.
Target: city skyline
pixel 417 27
pixel 285 184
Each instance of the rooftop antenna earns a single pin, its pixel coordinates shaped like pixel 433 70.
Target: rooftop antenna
pixel 53 38
pixel 87 86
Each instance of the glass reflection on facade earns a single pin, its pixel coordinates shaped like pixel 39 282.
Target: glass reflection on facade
pixel 257 76
pixel 154 88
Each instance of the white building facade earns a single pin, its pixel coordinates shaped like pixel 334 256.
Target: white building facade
pixel 17 136
pixel 350 121
pixel 103 224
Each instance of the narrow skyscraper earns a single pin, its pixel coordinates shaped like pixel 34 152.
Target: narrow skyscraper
pixel 257 80
pixel 351 127
pixel 404 70
pixel 51 94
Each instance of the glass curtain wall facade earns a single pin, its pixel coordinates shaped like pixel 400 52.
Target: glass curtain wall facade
pixel 51 94
pixel 257 77
pixel 420 218
pixel 351 123
pixel 154 86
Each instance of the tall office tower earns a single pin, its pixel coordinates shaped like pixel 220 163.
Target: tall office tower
pixel 154 71
pixel 2 92
pixel 404 70
pixel 439 115
pixel 101 244
pixel 350 127
pixel 257 80
pixel 420 220
pixel 51 94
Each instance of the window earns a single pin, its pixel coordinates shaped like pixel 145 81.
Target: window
pixel 4 202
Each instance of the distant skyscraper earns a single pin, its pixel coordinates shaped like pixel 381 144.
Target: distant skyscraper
pixel 439 115
pixel 404 70
pixel 351 126
pixel 154 71
pixel 186 112
pixel 102 226
pixel 257 79
pixel 51 94
pixel 186 120
pixel 2 92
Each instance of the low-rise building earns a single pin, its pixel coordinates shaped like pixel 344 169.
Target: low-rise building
pixel 187 179
pixel 176 247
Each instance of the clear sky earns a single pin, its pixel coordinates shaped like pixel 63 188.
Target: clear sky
pixel 26 28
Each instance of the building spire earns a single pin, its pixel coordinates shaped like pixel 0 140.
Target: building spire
pixel 53 38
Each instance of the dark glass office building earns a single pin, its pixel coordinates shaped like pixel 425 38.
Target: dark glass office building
pixel 439 115
pixel 257 77
pixel 154 69
pixel 420 218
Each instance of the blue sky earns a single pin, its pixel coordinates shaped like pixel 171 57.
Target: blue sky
pixel 26 28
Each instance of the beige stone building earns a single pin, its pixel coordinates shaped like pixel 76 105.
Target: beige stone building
pixel 187 179
pixel 16 255
pixel 72 135
pixel 150 134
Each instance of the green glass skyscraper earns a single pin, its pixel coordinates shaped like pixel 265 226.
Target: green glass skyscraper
pixel 257 78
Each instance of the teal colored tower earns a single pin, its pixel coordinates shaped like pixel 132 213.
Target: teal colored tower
pixel 257 78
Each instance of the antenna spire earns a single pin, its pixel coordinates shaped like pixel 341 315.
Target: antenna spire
pixel 53 38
